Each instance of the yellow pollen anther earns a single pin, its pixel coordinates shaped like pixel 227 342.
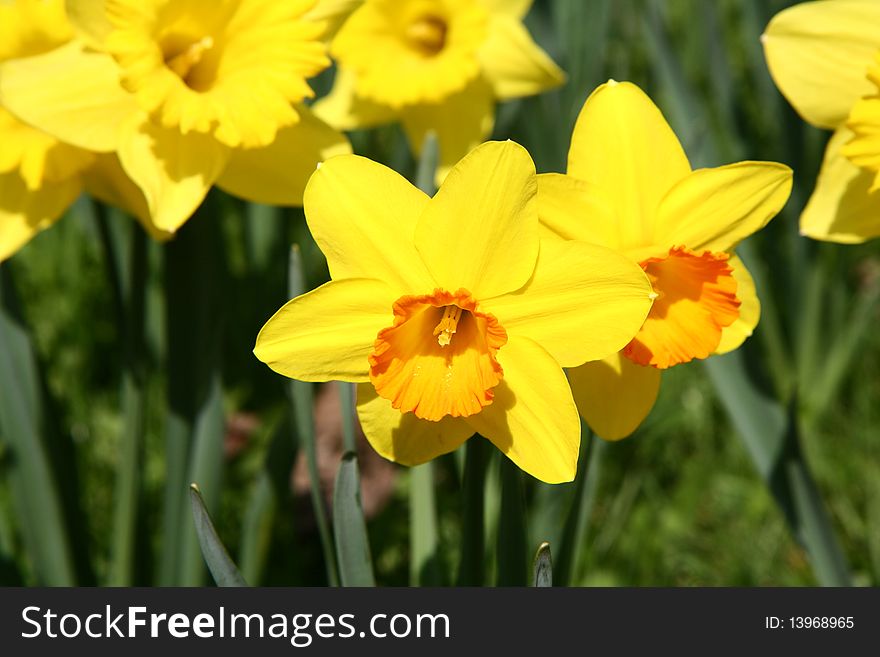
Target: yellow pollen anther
pixel 427 35
pixel 448 325
pixel 184 62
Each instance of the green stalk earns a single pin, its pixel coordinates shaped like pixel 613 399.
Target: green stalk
pixel 512 553
pixel 425 567
pixel 130 296
pixel 346 403
pixel 302 400
pixel 577 521
pixel 195 427
pixel 472 567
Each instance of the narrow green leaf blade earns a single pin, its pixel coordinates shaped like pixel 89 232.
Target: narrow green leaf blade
pixel 772 438
pixel 219 562
pixel 350 528
pixel 33 483
pixel 542 568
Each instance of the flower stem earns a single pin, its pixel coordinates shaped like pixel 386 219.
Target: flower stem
pixel 195 423
pixel 472 568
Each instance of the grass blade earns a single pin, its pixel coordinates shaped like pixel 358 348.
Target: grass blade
pixel 33 484
pixel 772 438
pixel 222 568
pixel 542 567
pixel 350 528
pixel 256 531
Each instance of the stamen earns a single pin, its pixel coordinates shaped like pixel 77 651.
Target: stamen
pixel 184 62
pixel 427 35
pixel 448 325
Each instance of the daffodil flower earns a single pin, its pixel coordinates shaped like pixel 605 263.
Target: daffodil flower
pixel 41 176
pixel 188 94
pixel 825 59
pixel 450 312
pixel 630 187
pixel 434 65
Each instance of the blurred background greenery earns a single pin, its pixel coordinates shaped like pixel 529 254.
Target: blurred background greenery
pixel 682 502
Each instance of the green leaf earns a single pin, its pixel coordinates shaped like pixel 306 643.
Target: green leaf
pixel 542 568
pixel 772 438
pixel 219 563
pixel 34 487
pixel 350 528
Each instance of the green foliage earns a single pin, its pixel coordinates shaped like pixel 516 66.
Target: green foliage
pixel 94 471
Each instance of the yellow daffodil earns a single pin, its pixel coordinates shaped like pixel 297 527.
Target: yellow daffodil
pixel 188 94
pixel 451 313
pixel 434 65
pixel 825 59
pixel 41 176
pixel 630 187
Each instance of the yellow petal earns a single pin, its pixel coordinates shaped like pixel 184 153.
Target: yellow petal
pixel 574 209
pixel 327 334
pixel 173 170
pixel 345 110
pixel 277 174
pixel 533 419
pixel 749 310
pixel 24 212
pixel 70 93
pixel 402 437
pixel 89 20
pixel 363 215
pixel 583 302
pixel 614 395
pixel 480 231
pixel 715 209
pixel 513 63
pixel 515 8
pixel 332 13
pixel 31 27
pixel 842 207
pixel 622 144
pixel 819 53
pixel 106 181
pixel 461 122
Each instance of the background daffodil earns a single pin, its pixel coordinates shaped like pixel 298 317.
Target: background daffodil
pixel 825 59
pixel 451 313
pixel 630 187
pixel 434 65
pixel 188 94
pixel 41 176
